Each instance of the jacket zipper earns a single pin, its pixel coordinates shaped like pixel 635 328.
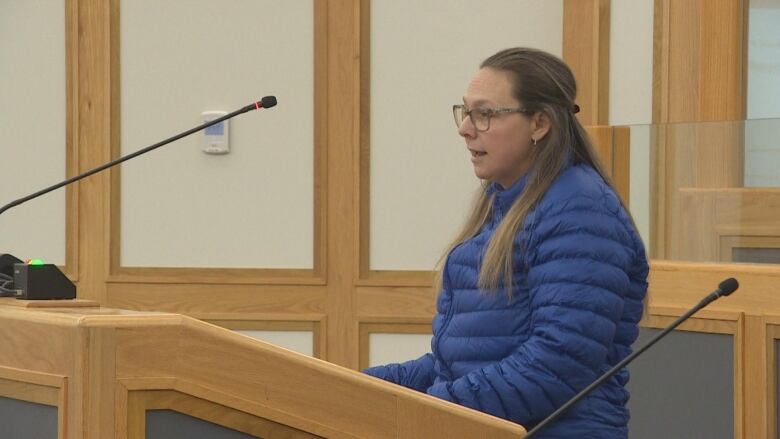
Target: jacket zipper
pixel 448 316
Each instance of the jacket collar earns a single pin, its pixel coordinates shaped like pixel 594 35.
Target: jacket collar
pixel 505 197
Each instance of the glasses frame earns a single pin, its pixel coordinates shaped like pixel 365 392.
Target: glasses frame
pixel 490 112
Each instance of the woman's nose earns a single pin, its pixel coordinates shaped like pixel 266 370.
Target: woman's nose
pixel 466 128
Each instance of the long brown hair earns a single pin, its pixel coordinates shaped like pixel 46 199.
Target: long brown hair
pixel 541 83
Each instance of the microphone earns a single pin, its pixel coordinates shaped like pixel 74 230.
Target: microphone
pixel 725 288
pixel 266 102
pixel 41 276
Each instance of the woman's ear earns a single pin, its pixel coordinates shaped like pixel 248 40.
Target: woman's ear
pixel 540 125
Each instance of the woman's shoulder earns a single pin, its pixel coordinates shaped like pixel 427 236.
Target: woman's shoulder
pixel 580 186
pixel 581 200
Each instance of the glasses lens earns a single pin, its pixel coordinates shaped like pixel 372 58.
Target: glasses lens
pixel 480 119
pixel 458 112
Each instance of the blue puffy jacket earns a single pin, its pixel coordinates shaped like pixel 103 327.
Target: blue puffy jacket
pixel 580 278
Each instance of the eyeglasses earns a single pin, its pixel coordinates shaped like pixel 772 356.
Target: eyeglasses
pixel 480 117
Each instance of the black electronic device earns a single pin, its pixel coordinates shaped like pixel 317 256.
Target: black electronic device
pixel 36 281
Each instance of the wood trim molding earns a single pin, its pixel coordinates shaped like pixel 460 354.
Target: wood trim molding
pixel 203 300
pixel 345 94
pixel 71 268
pixel 41 379
pixel 29 392
pixel 140 401
pixel 586 29
pixel 363 174
pixel 129 389
pixel 93 84
pixel 681 284
pixel 769 396
pixel 763 379
pixel 215 276
pixel 314 324
pixel 728 241
pixel 621 162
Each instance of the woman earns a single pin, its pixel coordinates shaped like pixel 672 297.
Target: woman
pixel 543 290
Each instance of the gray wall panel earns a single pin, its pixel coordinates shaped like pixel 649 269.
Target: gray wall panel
pixel 28 420
pixel 682 387
pixel 169 424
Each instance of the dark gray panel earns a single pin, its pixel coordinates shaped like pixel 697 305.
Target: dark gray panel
pixel 169 424
pixel 683 387
pixel 27 420
pixel 765 255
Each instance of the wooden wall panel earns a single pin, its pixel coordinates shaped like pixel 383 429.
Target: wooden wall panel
pixel 71 268
pixel 613 148
pixel 700 60
pixel 586 25
pixel 343 162
pixel 698 76
pixel 706 219
pixel 94 83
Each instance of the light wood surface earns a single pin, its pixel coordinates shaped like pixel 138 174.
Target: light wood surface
pixel 143 400
pixel 710 222
pixel 71 303
pixel 696 156
pixel 93 82
pixel 699 66
pixel 119 363
pixel 71 268
pixel 586 29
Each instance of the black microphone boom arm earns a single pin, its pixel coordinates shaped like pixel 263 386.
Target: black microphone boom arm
pixel 725 288
pixel 266 102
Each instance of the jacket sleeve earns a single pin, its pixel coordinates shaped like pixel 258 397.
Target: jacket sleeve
pixel 577 261
pixel 415 374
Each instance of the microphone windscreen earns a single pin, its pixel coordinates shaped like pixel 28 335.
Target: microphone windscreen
pixel 728 286
pixel 268 102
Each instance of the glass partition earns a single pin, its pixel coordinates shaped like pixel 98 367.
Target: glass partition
pixel 707 191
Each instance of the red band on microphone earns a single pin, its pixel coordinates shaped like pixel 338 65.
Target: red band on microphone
pixel 257 105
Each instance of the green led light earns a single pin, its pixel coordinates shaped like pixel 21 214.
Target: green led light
pixel 36 262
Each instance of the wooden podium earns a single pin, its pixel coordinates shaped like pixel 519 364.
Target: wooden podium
pixel 92 372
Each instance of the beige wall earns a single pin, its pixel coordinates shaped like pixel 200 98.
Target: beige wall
pixel 631 62
pixel 254 206
pixel 32 126
pixel 392 348
pixel 298 341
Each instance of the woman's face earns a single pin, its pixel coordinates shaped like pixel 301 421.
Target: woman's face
pixel 504 152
